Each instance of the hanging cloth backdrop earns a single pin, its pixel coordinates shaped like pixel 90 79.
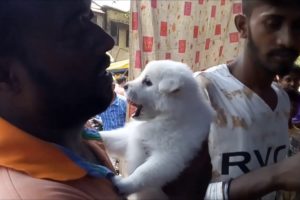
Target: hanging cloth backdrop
pixel 200 33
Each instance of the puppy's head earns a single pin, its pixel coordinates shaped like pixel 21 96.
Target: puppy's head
pixel 160 89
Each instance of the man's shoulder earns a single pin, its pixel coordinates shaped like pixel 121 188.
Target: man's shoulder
pixel 18 185
pixel 214 70
pixel 215 75
pixel 278 88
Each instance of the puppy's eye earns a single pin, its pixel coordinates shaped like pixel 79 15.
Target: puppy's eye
pixel 147 82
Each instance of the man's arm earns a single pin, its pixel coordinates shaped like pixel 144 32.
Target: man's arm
pixel 254 184
pixel 284 175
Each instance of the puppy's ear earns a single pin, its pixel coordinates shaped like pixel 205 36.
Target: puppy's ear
pixel 169 85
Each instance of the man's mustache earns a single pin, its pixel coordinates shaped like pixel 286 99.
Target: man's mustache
pixel 290 53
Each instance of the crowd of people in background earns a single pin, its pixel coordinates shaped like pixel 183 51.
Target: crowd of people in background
pixel 290 82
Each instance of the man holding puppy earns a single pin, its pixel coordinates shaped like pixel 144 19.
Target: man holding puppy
pixel 250 131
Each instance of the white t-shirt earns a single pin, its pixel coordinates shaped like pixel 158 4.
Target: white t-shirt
pixel 246 133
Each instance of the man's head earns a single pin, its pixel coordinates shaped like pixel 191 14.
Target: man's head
pixel 52 63
pixel 272 32
pixel 290 80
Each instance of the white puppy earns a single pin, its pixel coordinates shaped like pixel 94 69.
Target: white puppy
pixel 171 122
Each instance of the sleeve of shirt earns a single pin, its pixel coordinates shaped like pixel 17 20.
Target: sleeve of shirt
pixel 203 84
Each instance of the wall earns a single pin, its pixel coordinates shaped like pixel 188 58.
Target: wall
pixel 121 20
pixel 117 16
pixel 122 36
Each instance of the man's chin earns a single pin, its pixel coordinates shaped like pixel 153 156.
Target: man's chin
pixel 101 104
pixel 282 68
pixel 277 68
pixel 85 111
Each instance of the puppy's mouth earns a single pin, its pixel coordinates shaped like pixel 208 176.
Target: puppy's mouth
pixel 138 109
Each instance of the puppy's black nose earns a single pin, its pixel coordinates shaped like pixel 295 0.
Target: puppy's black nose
pixel 125 86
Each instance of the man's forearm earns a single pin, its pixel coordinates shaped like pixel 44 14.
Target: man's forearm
pixel 254 184
pixel 248 186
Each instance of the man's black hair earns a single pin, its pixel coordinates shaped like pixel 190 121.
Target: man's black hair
pixel 249 5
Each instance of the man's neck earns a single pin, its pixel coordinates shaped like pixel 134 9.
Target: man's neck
pixel 71 139
pixel 246 70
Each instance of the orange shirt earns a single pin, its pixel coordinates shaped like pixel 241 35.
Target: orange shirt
pixel 31 168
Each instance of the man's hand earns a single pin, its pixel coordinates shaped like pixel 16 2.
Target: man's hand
pixel 288 174
pixel 193 181
pixel 281 176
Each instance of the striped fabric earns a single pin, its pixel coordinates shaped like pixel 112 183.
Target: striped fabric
pixel 115 115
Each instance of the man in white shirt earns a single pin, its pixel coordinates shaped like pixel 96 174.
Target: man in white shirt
pixel 250 132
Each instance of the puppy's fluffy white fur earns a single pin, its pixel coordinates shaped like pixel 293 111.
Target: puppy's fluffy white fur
pixel 168 132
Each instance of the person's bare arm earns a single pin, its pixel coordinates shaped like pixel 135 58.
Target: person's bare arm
pixel 281 176
pixel 254 184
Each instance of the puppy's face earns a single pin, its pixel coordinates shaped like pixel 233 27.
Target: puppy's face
pixel 154 91
pixel 142 93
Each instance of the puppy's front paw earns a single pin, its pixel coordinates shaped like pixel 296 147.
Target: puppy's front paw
pixel 124 185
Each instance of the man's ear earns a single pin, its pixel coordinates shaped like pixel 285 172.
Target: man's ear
pixel 169 85
pixel 241 25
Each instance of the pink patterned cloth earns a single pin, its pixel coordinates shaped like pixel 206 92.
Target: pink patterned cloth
pixel 200 33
